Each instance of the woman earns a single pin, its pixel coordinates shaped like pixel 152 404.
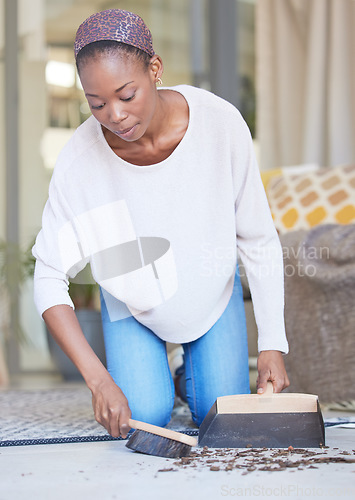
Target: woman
pixel 157 190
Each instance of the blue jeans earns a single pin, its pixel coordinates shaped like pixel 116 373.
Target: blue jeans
pixel 216 364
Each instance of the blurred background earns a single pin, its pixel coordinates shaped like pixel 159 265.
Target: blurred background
pixel 288 65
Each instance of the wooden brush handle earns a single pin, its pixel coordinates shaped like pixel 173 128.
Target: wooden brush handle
pixel 161 431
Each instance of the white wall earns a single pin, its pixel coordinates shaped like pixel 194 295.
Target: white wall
pixel 2 152
pixel 33 191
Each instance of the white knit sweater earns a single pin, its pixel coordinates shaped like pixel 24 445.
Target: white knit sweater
pixel 163 238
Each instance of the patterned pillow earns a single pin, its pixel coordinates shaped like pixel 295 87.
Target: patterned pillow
pixel 324 196
pixel 267 175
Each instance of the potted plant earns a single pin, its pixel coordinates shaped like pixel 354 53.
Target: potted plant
pixel 84 293
pixel 16 266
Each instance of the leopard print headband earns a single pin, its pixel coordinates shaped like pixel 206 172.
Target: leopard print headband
pixel 114 24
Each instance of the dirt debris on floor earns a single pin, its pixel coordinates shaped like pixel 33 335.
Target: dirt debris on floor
pixel 260 459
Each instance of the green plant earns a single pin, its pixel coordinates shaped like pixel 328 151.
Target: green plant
pixel 83 290
pixel 16 266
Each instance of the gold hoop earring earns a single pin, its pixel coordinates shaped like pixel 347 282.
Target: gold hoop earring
pixel 160 81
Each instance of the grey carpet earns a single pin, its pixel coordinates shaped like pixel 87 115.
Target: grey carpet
pixel 52 416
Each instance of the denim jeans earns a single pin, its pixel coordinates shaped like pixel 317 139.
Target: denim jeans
pixel 216 364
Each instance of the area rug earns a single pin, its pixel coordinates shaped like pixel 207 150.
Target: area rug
pixel 65 415
pixel 30 417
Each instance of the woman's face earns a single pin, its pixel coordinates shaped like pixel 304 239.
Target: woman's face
pixel 121 94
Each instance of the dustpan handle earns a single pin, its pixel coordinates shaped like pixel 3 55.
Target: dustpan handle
pixel 269 389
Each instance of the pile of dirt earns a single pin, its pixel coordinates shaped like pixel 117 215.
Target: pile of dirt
pixel 260 459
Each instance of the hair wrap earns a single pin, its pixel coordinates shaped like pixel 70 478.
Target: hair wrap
pixel 114 24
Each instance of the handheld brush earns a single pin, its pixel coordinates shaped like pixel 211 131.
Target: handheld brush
pixel 153 440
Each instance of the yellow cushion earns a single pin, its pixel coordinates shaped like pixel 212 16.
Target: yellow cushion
pixel 267 175
pixel 323 196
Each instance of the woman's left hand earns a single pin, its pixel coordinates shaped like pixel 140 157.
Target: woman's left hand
pixel 271 367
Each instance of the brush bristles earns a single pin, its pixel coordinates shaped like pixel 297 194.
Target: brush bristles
pixel 152 444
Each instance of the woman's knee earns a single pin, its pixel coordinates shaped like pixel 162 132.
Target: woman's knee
pixel 198 415
pixel 158 414
pixel 206 399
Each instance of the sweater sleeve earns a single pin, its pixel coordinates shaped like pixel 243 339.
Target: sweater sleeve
pixel 258 245
pixel 57 252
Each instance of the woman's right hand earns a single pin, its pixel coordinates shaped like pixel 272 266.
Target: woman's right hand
pixel 110 404
pixel 111 408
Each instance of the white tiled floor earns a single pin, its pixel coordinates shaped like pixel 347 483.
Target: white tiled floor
pixel 108 470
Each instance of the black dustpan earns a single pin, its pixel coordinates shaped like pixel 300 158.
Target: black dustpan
pixel 263 421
